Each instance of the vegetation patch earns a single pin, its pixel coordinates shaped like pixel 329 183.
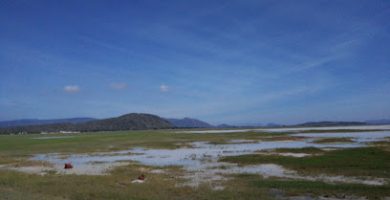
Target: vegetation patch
pixel 317 188
pixel 333 140
pixel 14 185
pixel 11 145
pixel 278 188
pixel 282 138
pixel 349 162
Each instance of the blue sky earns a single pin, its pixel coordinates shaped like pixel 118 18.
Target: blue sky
pixel 220 61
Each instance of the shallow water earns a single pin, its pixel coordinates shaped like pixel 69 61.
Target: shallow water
pixel 200 152
pixel 369 136
pixel 367 127
pixel 193 156
pixel 204 151
pixel 278 130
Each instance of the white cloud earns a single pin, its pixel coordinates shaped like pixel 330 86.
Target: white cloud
pixel 164 88
pixel 118 86
pixel 72 88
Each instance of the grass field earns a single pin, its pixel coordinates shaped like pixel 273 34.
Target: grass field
pixel 372 161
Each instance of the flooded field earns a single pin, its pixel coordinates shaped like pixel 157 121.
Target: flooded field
pixel 206 161
pixel 201 159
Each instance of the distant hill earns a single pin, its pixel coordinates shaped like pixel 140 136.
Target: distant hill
pixel 273 125
pixel 378 121
pixel 189 123
pixel 331 123
pixel 133 121
pixel 26 122
pixel 227 126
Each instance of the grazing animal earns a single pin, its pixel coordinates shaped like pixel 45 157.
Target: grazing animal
pixel 68 166
pixel 142 177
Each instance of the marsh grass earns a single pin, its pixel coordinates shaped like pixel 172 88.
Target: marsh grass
pixel 316 188
pixel 369 161
pixel 14 185
pixel 24 145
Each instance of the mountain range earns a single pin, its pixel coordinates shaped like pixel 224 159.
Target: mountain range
pixel 141 121
pixel 26 122
pixel 179 123
pixel 379 121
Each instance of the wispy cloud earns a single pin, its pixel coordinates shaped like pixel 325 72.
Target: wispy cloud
pixel 118 86
pixel 164 88
pixel 72 89
pixel 316 62
pixel 219 107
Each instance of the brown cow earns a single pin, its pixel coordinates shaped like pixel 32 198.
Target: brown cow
pixel 68 166
pixel 142 177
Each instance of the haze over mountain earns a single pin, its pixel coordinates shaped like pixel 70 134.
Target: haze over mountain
pixel 25 122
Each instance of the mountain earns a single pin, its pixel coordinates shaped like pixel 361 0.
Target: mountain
pixel 273 125
pixel 26 122
pixel 227 126
pixel 378 121
pixel 189 123
pixel 331 123
pixel 132 121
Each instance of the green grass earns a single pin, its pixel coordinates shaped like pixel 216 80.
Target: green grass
pixel 118 185
pixel 314 188
pixel 350 162
pixel 15 185
pixel 108 141
pixel 289 187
